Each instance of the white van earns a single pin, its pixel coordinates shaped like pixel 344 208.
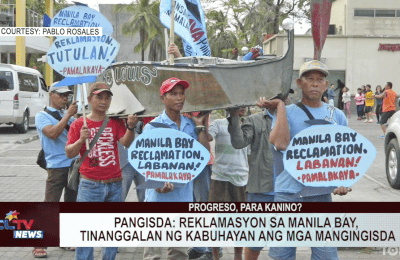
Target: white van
pixel 23 93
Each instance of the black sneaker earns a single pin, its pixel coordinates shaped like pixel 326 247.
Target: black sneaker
pixel 193 254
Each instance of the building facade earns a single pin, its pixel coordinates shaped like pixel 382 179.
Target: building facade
pixel 127 43
pixel 363 46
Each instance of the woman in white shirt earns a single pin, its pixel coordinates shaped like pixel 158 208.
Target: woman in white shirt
pixel 346 101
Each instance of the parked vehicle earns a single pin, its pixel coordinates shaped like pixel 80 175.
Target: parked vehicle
pixel 392 151
pixel 23 93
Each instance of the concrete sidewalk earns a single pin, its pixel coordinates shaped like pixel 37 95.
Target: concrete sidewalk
pixel 22 181
pixel 17 253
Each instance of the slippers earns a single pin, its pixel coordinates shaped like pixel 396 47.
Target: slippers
pixel 39 253
pixel 68 248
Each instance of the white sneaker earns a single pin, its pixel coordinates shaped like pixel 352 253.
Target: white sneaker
pixel 371 121
pixel 366 121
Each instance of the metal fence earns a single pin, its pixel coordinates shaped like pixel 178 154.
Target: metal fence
pixel 7 17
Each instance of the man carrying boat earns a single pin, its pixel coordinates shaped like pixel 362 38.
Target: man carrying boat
pixel 256 132
pixel 172 94
pixel 312 82
pixel 100 174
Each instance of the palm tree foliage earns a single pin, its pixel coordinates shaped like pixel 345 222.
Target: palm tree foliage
pixel 235 23
pixel 242 22
pixel 144 20
pixel 221 38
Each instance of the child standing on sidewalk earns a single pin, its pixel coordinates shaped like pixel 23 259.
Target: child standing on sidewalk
pixel 359 98
pixel 346 101
pixel 369 103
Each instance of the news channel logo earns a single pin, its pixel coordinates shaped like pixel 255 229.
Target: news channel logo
pixel 21 227
pixel 391 251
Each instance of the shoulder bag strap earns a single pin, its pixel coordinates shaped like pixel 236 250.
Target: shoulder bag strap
pixel 300 105
pixel 96 137
pixel 56 115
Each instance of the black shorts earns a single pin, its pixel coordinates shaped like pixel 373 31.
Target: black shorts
pixel 368 109
pixel 385 116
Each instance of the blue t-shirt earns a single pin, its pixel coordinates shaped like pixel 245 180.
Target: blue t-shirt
pixel 54 150
pixel 331 93
pixel 178 194
pixel 296 117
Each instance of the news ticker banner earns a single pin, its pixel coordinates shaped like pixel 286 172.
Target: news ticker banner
pixel 200 224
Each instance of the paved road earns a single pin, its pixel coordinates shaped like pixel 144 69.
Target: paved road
pixel 374 185
pixel 22 180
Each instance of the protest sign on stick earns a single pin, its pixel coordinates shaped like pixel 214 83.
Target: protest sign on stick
pixel 328 156
pixel 167 155
pixel 80 59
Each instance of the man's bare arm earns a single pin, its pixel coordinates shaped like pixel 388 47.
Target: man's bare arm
pixel 53 132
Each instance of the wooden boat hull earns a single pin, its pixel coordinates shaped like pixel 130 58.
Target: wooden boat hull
pixel 214 83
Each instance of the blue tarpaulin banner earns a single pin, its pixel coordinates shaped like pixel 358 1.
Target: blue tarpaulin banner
pixel 189 25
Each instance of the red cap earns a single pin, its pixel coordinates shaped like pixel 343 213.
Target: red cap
pixel 99 87
pixel 170 83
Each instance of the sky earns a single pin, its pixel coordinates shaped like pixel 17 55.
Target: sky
pixel 298 28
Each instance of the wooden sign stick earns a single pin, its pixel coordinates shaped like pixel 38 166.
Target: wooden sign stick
pixel 171 29
pixel 166 42
pixel 83 112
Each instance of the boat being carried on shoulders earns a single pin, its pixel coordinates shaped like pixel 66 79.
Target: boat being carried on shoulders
pixel 215 83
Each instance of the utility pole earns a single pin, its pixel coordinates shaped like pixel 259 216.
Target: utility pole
pixel 20 52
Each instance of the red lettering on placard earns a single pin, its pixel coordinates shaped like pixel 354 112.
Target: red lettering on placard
pixel 298 166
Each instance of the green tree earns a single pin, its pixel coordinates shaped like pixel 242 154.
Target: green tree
pixel 223 38
pixel 157 43
pixel 143 21
pixel 248 20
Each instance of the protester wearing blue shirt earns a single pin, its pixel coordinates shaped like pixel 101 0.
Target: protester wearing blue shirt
pixel 53 136
pixel 172 94
pixel 312 81
pixel 331 95
pixel 178 194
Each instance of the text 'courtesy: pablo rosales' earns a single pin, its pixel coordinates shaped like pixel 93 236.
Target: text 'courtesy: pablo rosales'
pixel 51 31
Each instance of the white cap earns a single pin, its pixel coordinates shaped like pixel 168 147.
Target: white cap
pixel 313 65
pixel 63 89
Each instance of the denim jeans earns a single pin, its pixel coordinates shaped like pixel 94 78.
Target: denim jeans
pixel 360 109
pixel 129 174
pixel 90 191
pixel 201 188
pixel 201 185
pixel 288 253
pixel 259 197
